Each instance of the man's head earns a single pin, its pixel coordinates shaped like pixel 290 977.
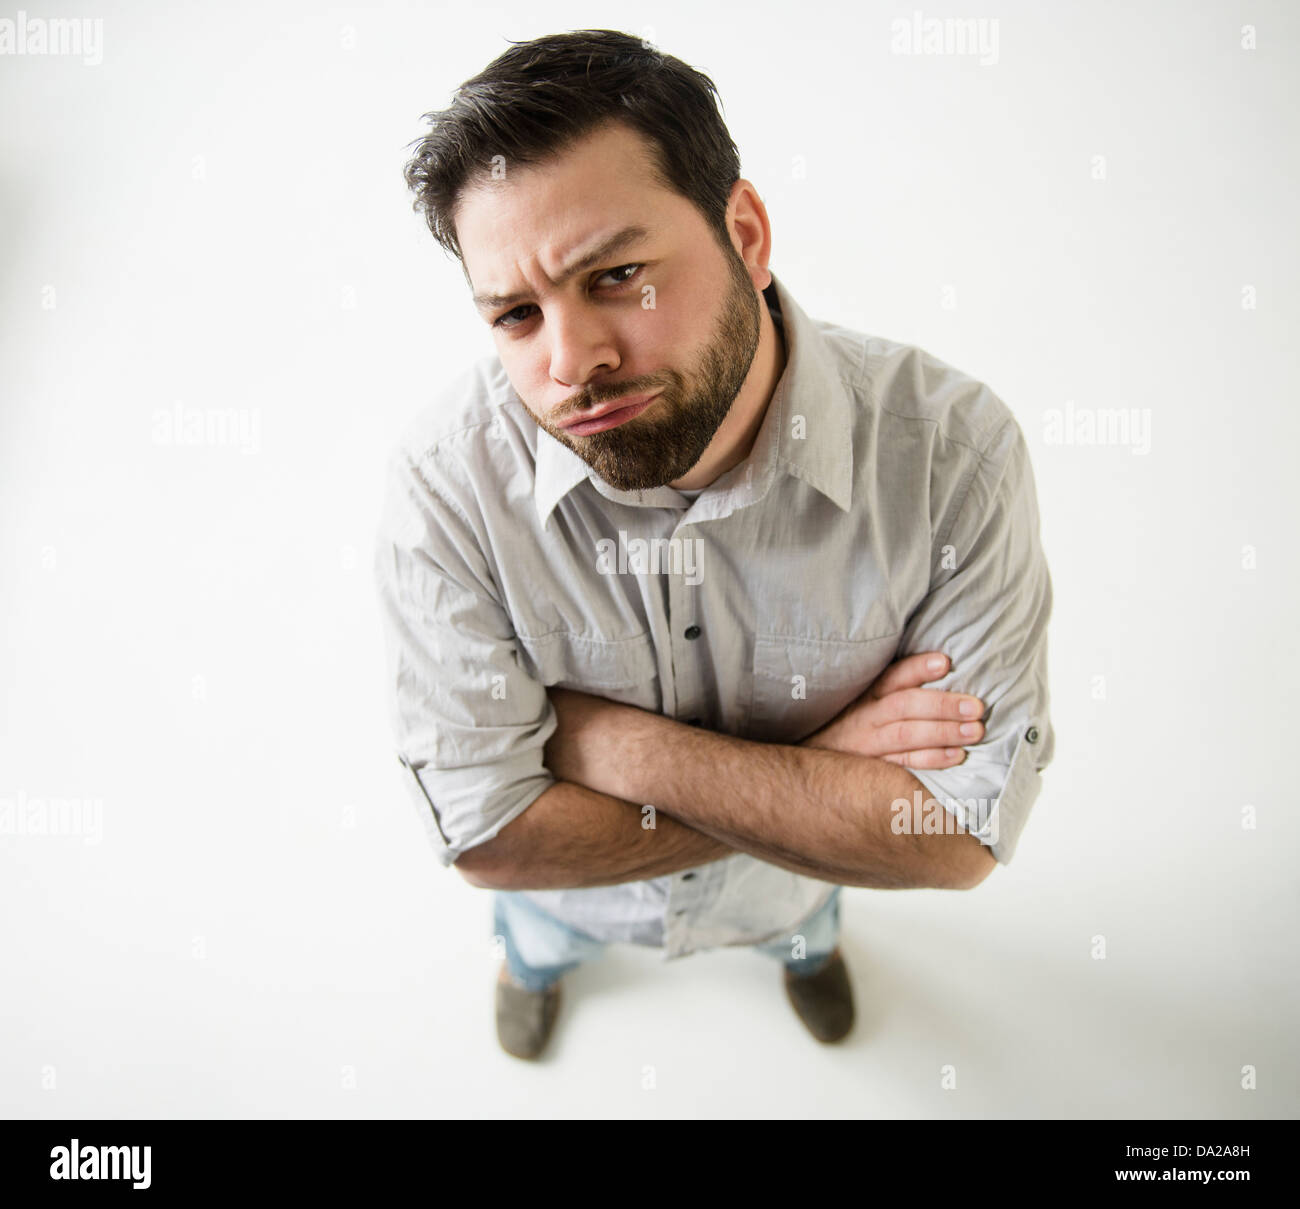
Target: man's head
pixel 592 193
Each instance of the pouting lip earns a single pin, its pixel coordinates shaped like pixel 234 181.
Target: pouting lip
pixel 605 408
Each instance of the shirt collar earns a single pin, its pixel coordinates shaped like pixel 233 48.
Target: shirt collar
pixel 818 450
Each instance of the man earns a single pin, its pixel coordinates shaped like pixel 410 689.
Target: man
pixel 664 575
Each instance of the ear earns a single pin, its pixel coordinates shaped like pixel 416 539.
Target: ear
pixel 751 231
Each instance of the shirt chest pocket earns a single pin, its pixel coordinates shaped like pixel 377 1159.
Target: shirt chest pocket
pixel 800 684
pixel 624 670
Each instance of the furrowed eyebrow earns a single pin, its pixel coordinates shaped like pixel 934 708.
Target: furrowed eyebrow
pixel 612 246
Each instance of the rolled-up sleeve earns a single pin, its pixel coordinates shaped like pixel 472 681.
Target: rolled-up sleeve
pixel 470 724
pixel 988 609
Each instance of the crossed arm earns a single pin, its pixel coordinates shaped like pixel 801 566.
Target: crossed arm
pixel 821 813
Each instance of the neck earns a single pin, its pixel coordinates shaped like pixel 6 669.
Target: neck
pixel 735 438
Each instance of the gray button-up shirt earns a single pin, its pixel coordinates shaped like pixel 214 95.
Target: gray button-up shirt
pixel 887 507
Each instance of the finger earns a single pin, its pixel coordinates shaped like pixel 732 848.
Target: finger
pixel 930 757
pixel 910 673
pixel 927 703
pixel 912 734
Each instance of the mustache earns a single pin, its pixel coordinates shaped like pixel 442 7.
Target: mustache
pixel 587 399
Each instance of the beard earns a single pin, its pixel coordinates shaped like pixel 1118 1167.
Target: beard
pixel 670 436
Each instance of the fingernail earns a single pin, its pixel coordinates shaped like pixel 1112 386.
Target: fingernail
pixel 935 664
pixel 970 729
pixel 968 709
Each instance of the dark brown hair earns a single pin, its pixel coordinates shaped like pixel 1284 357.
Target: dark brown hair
pixel 537 97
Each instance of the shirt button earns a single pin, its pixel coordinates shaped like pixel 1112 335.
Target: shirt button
pixel 692 631
pixel 1032 734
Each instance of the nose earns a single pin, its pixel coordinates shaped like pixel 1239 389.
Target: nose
pixel 582 345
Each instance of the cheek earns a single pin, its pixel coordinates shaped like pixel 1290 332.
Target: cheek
pixel 676 325
pixel 654 338
pixel 527 367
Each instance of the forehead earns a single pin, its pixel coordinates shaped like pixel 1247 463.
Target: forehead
pixel 549 211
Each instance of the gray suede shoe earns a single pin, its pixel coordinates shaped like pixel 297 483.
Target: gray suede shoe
pixel 525 1019
pixel 823 1001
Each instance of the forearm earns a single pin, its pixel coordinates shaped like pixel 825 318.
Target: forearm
pixel 572 837
pixel 823 814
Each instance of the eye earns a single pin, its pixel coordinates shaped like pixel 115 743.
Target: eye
pixel 624 274
pixel 501 321
pixel 623 268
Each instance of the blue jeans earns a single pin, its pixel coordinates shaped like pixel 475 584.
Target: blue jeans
pixel 540 948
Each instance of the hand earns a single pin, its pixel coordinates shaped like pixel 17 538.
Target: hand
pixel 898 721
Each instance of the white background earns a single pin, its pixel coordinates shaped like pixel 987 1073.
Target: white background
pixel 214 217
